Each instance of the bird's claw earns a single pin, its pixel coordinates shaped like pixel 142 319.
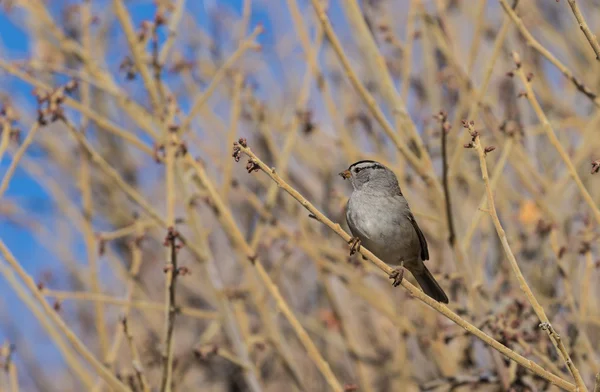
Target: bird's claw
pixel 354 245
pixel 397 275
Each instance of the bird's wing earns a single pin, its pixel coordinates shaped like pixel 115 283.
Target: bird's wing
pixel 422 240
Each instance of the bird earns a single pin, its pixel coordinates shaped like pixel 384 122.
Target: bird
pixel 380 219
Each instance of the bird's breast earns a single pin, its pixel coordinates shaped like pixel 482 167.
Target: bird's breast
pixel 377 221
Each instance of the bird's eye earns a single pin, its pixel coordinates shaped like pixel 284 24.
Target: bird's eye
pixel 356 170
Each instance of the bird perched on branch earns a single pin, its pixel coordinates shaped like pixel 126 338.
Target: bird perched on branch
pixel 380 219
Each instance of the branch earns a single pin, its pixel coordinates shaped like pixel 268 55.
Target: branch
pixel 549 56
pixel 539 311
pixel 17 157
pixel 585 29
pixel 247 43
pixel 526 79
pixel 48 316
pixel 136 363
pixel 172 272
pixel 424 170
pixel 237 238
pixel 445 128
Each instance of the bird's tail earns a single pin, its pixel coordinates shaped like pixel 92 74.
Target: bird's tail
pixel 430 286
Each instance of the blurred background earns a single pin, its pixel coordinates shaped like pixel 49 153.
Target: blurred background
pixel 118 121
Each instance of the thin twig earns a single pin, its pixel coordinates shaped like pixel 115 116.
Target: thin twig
pixel 591 37
pixel 236 101
pixel 408 48
pixel 380 72
pixel 477 34
pixel 138 304
pixel 245 45
pixel 476 103
pixel 172 27
pixel 552 137
pixel 4 137
pixel 135 111
pixel 9 366
pixel 138 54
pixel 557 341
pixel 48 316
pixel 424 171
pixel 136 363
pixel 17 157
pixel 217 286
pixel 101 121
pixel 171 270
pixel 86 191
pixel 581 87
pixel 136 261
pixel 238 239
pixel 444 129
pixel 496 175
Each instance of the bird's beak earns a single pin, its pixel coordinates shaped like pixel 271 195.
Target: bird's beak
pixel 345 174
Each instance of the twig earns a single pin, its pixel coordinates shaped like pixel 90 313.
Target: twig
pixel 236 101
pixel 557 341
pixel 476 103
pixel 311 54
pixel 136 261
pixel 17 157
pixel 101 121
pixel 7 351
pixel 138 304
pixel 176 16
pixel 470 328
pixel 408 48
pixel 5 137
pixel 47 314
pixel 568 289
pixel 380 72
pixel 171 268
pixel 247 43
pixel 216 285
pixel 552 137
pixel 138 54
pixel 584 28
pixel 477 34
pixel 547 362
pixel 136 363
pixel 172 272
pixel 444 129
pixel 136 112
pixel 584 294
pixel 237 238
pixel 593 96
pixel 425 172
pixel 137 227
pixel 496 175
pixel 86 192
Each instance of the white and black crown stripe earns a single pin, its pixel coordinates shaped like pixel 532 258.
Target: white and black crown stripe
pixel 361 165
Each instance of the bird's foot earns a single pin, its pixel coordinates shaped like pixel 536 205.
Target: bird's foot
pixel 397 275
pixel 354 245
